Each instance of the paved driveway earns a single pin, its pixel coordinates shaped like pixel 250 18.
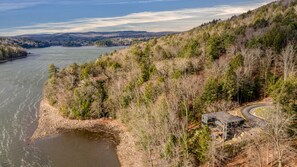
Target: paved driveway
pixel 252 119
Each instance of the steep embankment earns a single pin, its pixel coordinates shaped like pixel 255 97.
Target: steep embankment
pixel 161 87
pixel 8 52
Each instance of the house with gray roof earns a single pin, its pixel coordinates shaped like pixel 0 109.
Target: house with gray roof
pixel 223 121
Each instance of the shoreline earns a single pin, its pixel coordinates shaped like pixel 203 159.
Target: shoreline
pixel 51 123
pixel 12 59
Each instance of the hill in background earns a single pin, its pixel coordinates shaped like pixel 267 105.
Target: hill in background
pixel 105 39
pixel 160 88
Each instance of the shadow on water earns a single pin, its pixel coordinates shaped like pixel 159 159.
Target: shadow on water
pixel 79 148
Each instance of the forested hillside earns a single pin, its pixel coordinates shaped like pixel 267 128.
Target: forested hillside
pixel 105 39
pixel 24 43
pixel 9 52
pixel 160 88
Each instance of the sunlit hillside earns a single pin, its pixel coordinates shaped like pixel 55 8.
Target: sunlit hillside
pixel 160 88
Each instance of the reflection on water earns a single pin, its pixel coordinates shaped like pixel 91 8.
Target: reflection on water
pixel 75 147
pixel 21 83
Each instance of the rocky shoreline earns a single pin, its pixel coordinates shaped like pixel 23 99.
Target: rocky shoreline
pixel 52 123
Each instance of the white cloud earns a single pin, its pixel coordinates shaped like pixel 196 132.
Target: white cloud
pixel 13 5
pixel 179 20
pixel 6 5
pixel 131 2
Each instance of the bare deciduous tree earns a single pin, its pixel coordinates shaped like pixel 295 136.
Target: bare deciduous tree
pixel 255 151
pixel 216 153
pixel 277 133
pixel 250 60
pixel 289 59
pixel 266 63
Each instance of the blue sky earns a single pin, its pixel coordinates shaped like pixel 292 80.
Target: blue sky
pixel 58 16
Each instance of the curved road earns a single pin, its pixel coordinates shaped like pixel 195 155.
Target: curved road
pixel 252 119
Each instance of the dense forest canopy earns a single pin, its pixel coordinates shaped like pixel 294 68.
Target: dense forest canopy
pixel 160 88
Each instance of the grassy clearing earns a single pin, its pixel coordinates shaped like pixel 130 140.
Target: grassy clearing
pixel 262 112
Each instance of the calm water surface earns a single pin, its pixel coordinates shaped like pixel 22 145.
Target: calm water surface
pixel 21 83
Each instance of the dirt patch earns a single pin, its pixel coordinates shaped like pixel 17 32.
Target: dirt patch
pixel 51 123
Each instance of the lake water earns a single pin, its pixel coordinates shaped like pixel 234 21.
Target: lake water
pixel 21 84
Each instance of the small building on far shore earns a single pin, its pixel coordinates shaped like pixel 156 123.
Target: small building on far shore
pixel 225 122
